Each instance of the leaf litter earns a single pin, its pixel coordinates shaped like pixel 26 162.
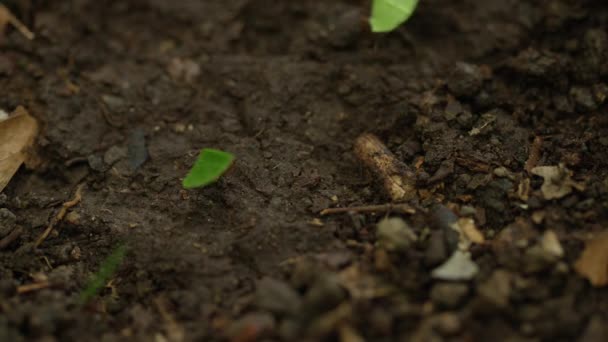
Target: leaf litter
pixel 17 136
pixel 593 262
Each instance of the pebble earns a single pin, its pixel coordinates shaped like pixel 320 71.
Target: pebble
pixel 114 154
pixel 8 220
pixel 496 290
pixel 465 79
pixel 449 295
pixel 445 220
pixel 447 323
pixel 325 294
pixel 394 234
pixel 436 251
pixel 96 163
pixel 277 297
pixel 458 267
pixel 583 97
pixel 137 153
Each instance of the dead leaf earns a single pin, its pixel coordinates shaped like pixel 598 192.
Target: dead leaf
pixel 470 231
pixel 17 134
pixel 557 182
pixel 593 262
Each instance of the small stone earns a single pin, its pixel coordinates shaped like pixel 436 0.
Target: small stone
pixel 583 97
pixel 436 251
pixel 277 297
pixel 449 295
pixel 96 163
pixel 447 323
pixel 496 290
pixel 114 103
pixel 550 244
pixel 465 79
pixel 458 267
pixel 137 153
pixel 73 217
pixel 183 70
pixel 325 294
pixel 179 128
pixel 447 222
pixel 114 154
pixel 8 220
pixel 394 234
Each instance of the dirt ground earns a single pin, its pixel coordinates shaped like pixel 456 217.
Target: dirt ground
pixel 469 94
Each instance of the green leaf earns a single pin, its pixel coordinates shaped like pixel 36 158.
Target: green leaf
pixel 208 168
pixel 106 271
pixel 387 15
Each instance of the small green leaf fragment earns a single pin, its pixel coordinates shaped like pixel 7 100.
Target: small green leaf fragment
pixel 106 271
pixel 389 14
pixel 208 168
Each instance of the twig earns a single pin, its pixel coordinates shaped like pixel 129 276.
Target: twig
pixel 175 332
pixel 12 236
pixel 33 287
pixel 380 208
pixel 60 215
pixel 7 16
pixel 399 181
pixel 534 154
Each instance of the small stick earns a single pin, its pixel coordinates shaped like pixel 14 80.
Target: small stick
pixel 60 215
pixel 7 16
pixel 12 236
pixel 380 208
pixel 33 287
pixel 174 331
pixel 399 181
pixel 534 154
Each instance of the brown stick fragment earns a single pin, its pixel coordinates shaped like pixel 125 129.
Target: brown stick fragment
pixel 399 181
pixel 33 287
pixel 534 155
pixel 60 215
pixel 12 236
pixel 6 16
pixel 380 208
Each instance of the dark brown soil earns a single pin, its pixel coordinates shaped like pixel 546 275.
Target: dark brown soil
pixel 459 93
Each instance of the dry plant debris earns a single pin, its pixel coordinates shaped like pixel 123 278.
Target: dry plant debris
pixel 399 180
pixel 7 17
pixel 17 135
pixel 593 262
pixel 557 182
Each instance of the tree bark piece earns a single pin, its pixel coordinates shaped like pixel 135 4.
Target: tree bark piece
pixel 398 180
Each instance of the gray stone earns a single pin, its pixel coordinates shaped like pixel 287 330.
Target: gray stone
pixel 8 220
pixel 458 267
pixel 449 295
pixel 277 297
pixel 114 154
pixel 465 79
pixel 394 234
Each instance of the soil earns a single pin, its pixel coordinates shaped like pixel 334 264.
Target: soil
pixel 470 95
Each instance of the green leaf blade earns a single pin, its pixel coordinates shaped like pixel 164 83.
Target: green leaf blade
pixel 387 15
pixel 210 165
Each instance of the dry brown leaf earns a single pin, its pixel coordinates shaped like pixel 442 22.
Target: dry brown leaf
pixel 470 231
pixel 17 134
pixel 593 262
